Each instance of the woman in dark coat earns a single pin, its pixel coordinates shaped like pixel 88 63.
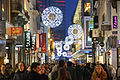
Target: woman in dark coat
pixel 4 74
pixel 21 74
pixel 63 74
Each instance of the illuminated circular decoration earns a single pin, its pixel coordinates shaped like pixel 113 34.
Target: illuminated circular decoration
pixel 59 54
pixel 66 47
pixel 78 41
pixel 69 40
pixel 64 54
pixel 75 30
pixel 58 45
pixel 52 17
pixel 59 50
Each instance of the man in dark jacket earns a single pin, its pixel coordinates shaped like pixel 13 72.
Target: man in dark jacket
pixel 21 74
pixel 34 73
pixel 71 70
pixel 54 74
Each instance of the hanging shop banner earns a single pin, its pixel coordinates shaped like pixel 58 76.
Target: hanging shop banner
pixel 2 27
pixel 115 22
pixel 42 42
pixel 96 22
pixel 16 31
pixel 33 42
pixel 95 33
pixel 28 42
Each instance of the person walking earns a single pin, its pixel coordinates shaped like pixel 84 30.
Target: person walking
pixel 63 74
pixel 34 74
pixel 21 73
pixel 54 74
pixel 4 74
pixel 99 73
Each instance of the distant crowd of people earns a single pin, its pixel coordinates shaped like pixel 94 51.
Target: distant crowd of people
pixel 59 71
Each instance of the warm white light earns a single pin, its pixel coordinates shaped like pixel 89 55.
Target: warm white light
pixel 75 30
pixel 59 54
pixel 66 47
pixel 58 44
pixel 59 50
pixel 52 17
pixel 64 54
pixel 69 40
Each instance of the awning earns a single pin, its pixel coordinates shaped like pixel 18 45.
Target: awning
pixel 81 52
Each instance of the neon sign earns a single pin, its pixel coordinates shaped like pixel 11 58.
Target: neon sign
pixel 115 22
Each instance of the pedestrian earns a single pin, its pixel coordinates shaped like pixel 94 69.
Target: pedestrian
pixel 43 74
pixel 4 75
pixel 99 73
pixel 63 74
pixel 34 74
pixel 21 73
pixel 54 74
pixel 71 70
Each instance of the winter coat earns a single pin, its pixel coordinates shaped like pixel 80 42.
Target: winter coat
pixel 72 72
pixel 20 75
pixel 5 77
pixel 44 77
pixel 34 76
pixel 102 76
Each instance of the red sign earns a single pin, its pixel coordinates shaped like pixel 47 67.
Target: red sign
pixel 16 31
pixel 42 42
pixel 108 53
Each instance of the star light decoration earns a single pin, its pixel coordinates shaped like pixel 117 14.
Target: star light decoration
pixel 52 17
pixel 75 30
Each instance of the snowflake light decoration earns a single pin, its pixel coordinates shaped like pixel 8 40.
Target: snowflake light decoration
pixel 66 47
pixel 75 30
pixel 52 17
pixel 69 40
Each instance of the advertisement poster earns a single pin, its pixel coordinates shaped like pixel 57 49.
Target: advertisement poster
pixel 42 42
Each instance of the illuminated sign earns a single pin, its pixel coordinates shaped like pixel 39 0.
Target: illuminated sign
pixel 87 9
pixel 42 42
pixel 16 31
pixel 115 22
pixel 27 40
pixel 33 42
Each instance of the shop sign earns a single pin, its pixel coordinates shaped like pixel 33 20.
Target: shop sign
pixel 91 23
pixel 95 21
pixel 115 22
pixel 3 42
pixel 42 42
pixel 2 27
pixel 27 40
pixel 105 27
pixel 101 44
pixel 114 32
pixel 16 31
pixel 102 50
pixel 33 42
pixel 113 41
pixel 108 53
pixel 95 33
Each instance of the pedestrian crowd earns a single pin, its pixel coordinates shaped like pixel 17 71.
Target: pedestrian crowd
pixel 59 71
